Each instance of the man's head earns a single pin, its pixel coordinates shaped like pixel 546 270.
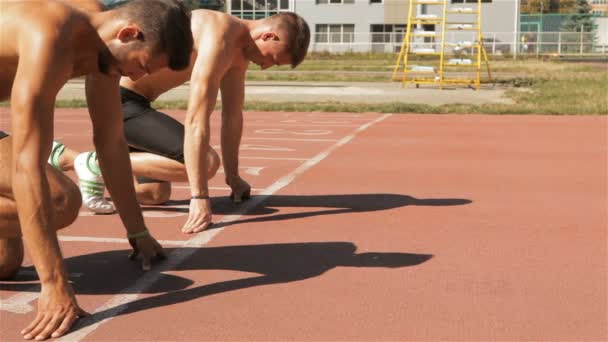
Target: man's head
pixel 283 39
pixel 151 34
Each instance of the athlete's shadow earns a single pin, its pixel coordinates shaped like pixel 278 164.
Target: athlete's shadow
pixel 111 273
pixel 337 204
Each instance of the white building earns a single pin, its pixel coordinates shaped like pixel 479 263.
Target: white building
pixel 372 25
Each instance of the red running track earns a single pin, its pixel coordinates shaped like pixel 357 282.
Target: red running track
pixel 362 227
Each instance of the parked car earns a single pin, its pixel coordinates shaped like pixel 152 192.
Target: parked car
pixel 492 46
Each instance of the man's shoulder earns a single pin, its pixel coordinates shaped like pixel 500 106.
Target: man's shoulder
pixel 87 6
pixel 51 20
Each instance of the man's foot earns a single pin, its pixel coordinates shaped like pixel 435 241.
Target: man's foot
pixel 91 183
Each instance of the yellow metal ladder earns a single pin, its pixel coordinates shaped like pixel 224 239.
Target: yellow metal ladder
pixel 428 70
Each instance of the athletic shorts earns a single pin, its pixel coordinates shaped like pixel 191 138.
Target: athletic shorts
pixel 3 135
pixel 148 130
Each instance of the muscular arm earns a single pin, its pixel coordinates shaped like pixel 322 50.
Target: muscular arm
pixel 106 114
pixel 204 86
pixel 233 95
pixel 40 75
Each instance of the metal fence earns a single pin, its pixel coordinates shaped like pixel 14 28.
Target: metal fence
pixel 496 43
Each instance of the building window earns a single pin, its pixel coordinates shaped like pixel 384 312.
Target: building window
pixel 257 9
pixel 325 2
pixel 382 33
pixel 335 33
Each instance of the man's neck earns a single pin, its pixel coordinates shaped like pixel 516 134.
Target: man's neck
pixel 254 29
pixel 106 24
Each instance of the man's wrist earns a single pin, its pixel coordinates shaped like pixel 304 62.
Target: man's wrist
pixel 139 234
pixel 232 178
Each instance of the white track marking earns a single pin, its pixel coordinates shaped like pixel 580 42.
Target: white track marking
pixel 20 303
pixel 284 131
pixel 269 124
pixel 293 139
pixel 274 158
pixel 211 188
pixel 120 302
pixel 258 147
pixel 314 122
pixel 250 170
pixel 70 238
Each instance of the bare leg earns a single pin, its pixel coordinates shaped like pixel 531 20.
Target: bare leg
pixel 166 170
pixel 66 202
pixel 153 193
pixel 11 257
pixel 66 160
pixel 151 166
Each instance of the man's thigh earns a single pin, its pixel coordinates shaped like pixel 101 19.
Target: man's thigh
pixel 6 159
pixel 157 133
pixel 58 182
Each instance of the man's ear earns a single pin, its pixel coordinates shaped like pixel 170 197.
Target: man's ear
pixel 129 33
pixel 269 36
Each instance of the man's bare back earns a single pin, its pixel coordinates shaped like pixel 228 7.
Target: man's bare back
pixel 224 46
pixel 28 25
pixel 208 28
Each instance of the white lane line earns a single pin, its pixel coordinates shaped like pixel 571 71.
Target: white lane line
pixel 70 238
pixel 211 188
pixel 274 158
pixel 308 132
pixel 119 303
pixel 294 139
pixel 20 303
pixel 272 124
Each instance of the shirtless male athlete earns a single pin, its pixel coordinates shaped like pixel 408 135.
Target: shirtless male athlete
pixel 43 43
pixel 223 47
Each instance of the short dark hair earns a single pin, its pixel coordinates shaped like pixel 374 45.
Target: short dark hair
pixel 165 27
pixel 298 31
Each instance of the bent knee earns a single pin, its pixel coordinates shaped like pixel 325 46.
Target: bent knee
pixel 11 257
pixel 213 161
pixel 67 204
pixel 153 193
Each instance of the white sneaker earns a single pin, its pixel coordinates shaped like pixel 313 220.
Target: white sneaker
pixel 56 152
pixel 91 183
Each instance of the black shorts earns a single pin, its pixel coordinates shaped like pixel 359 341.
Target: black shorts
pixel 3 135
pixel 148 130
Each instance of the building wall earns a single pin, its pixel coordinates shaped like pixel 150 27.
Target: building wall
pixel 599 7
pixel 497 16
pixel 361 13
pixel 602 32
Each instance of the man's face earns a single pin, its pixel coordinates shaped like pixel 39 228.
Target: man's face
pixel 132 57
pixel 272 51
pixel 137 62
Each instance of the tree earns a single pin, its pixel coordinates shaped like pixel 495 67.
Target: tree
pixel 581 18
pixel 547 6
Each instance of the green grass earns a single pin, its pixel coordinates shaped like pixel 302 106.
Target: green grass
pixel 535 86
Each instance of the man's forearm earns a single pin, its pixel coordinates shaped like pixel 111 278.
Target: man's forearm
pixel 232 130
pixel 32 195
pixel 196 147
pixel 116 169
